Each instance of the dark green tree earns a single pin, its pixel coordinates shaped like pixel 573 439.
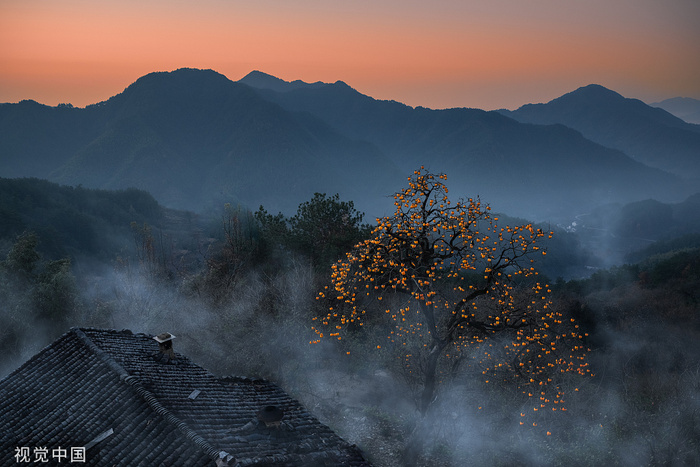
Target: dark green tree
pixel 33 292
pixel 23 258
pixel 273 229
pixel 56 293
pixel 323 229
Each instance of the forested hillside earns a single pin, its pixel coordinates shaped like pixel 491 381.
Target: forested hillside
pixel 73 221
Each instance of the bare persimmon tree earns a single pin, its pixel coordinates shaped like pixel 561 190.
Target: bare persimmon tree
pixel 466 280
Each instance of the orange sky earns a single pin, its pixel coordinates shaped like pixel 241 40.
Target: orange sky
pixel 500 53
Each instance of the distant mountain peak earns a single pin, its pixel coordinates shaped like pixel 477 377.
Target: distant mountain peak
pixel 182 74
pixel 592 93
pixel 685 108
pixel 181 78
pixel 644 133
pixel 679 101
pixel 181 87
pixel 260 80
pixel 593 87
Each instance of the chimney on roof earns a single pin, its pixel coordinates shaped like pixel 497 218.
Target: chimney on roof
pixel 271 415
pixel 165 343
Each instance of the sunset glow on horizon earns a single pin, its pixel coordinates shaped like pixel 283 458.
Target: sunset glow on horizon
pixel 451 54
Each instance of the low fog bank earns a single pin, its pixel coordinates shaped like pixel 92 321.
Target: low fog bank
pixel 641 407
pixel 247 311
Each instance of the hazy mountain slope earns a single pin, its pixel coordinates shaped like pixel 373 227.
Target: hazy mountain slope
pixel 193 138
pixel 682 107
pixel 648 219
pixel 649 135
pixel 36 139
pixel 76 222
pixel 532 170
pixel 617 230
pixel 385 123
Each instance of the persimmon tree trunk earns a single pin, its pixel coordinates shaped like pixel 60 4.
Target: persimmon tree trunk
pixel 430 378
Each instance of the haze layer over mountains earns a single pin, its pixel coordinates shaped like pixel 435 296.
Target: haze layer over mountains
pixel 195 140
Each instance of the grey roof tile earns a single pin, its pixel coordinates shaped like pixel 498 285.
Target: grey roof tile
pixel 91 381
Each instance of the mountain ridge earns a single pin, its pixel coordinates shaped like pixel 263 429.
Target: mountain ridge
pixel 194 137
pixel 189 143
pixel 648 134
pixel 408 134
pixel 685 108
pixel 261 80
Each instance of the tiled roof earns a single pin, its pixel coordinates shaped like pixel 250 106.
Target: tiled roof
pixel 116 394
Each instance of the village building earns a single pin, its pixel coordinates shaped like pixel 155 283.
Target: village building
pixel 104 397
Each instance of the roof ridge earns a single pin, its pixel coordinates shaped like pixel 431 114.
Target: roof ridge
pixel 100 353
pixel 148 396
